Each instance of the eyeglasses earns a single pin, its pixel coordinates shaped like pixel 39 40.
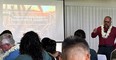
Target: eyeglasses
pixel 107 21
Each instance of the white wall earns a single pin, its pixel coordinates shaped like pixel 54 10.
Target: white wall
pixel 87 15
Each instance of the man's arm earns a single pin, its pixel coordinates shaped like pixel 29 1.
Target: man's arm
pixel 94 33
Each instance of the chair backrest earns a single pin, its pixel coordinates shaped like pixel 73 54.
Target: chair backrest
pixel 113 59
pixel 101 57
pixel 113 55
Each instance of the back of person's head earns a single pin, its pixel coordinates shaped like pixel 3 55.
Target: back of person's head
pixel 30 44
pixel 52 49
pixel 80 33
pixel 75 48
pixel 49 45
pixel 45 42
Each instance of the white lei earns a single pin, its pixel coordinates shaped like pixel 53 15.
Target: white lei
pixel 9 51
pixel 105 35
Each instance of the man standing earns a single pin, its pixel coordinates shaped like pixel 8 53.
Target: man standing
pixel 107 35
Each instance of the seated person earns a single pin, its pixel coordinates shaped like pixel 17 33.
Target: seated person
pixel 75 48
pixel 7 44
pixel 50 46
pixel 31 48
pixel 81 33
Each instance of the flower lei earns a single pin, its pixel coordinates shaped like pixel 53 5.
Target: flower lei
pixel 105 35
pixel 9 51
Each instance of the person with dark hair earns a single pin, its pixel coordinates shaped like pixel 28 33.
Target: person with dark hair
pixel 6 31
pixel 107 36
pixel 7 44
pixel 46 45
pixel 31 48
pixel 45 42
pixel 81 33
pixel 75 48
pixel 50 46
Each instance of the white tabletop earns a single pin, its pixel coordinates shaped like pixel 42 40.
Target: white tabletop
pixel 101 57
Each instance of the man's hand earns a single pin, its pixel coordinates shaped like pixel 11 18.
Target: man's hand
pixel 95 30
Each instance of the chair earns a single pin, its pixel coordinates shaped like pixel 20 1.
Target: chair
pixel 113 55
pixel 101 57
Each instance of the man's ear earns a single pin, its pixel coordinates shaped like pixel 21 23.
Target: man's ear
pixel 88 56
pixel 60 58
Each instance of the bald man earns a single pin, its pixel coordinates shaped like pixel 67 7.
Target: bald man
pixel 107 35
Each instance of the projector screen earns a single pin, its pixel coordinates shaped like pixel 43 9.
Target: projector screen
pixel 45 18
